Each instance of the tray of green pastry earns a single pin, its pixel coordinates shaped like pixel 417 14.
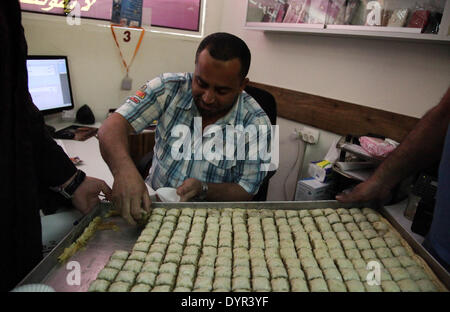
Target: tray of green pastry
pixel 315 246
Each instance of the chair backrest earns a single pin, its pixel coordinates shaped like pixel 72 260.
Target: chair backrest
pixel 265 100
pixel 269 105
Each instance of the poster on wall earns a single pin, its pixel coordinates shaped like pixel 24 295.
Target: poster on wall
pixel 127 13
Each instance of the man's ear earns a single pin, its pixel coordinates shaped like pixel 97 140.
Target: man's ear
pixel 244 84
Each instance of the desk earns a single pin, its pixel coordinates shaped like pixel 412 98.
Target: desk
pixel 56 226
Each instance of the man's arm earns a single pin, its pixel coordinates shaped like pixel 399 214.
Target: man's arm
pixel 216 191
pixel 129 192
pixel 424 142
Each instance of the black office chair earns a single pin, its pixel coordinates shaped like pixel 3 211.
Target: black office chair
pixel 269 105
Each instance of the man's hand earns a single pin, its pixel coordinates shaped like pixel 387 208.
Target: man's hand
pixel 365 191
pixel 130 195
pixel 189 189
pixel 85 197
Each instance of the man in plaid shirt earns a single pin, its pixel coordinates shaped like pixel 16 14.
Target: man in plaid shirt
pixel 196 113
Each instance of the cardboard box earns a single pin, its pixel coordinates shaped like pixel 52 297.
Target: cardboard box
pixel 312 189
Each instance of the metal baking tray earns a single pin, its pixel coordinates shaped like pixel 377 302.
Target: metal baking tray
pixel 99 248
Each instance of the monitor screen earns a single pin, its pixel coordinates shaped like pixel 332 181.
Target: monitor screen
pixel 49 83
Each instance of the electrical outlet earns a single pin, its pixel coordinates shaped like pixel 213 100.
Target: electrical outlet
pixel 309 135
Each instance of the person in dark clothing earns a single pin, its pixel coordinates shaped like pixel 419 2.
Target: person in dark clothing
pixel 31 162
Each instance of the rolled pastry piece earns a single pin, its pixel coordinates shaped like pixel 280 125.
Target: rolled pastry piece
pixel 326 263
pixel 207 271
pixel 338 227
pixel 408 285
pixel 355 286
pixel 349 274
pixel 241 271
pixel 185 281
pixel 119 287
pixel 240 283
pixel 416 273
pixel 399 251
pixel 168 267
pixel 357 235
pixel 363 244
pixel 359 263
pixel 204 283
pixel 359 217
pixel 161 288
pixel 352 254
pixel 333 218
pixel 383 252
pixel 372 217
pixel 337 254
pixel 350 227
pixel 335 285
pixel 126 276
pixel 294 273
pixel 189 259
pixel 223 283
pixel 318 285
pixel 377 242
pixel 299 285
pixel 108 274
pixel 141 246
pixel 165 279
pixel 140 288
pixel 406 261
pixel 151 267
pixel 261 284
pixel 346 218
pixel 280 285
pixel 146 278
pixel 173 257
pixel 187 269
pixel 260 271
pixel 365 226
pixel 223 261
pixel 392 242
pixel 332 273
pixel 133 266
pixel 399 274
pixel 120 254
pixel 313 273
pixel 138 256
pixel 316 212
pixel 320 253
pixel 223 271
pixel 99 285
pixel 426 285
pixel 154 256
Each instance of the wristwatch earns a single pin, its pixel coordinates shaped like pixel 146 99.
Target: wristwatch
pixel 68 191
pixel 204 191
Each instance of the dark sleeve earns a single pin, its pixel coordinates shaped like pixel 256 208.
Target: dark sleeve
pixel 55 166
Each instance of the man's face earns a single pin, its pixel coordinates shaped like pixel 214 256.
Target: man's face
pixel 216 85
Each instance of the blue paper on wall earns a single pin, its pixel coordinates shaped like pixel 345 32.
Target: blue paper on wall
pixel 127 12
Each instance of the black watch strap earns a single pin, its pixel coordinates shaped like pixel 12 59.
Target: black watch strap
pixel 68 191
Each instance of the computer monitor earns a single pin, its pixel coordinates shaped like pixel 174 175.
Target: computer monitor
pixel 49 83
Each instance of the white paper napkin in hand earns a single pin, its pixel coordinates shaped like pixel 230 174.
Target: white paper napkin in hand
pixel 168 194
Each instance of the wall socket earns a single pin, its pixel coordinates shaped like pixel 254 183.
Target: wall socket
pixel 307 134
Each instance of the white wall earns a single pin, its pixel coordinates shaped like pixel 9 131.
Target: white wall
pixel 95 66
pixel 403 77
